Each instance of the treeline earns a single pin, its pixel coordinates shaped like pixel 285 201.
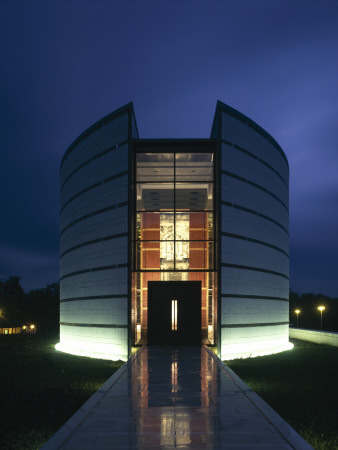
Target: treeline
pixel 39 307
pixel 309 316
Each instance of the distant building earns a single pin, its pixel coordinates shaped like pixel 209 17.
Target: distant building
pixel 174 241
pixel 6 328
pixel 9 328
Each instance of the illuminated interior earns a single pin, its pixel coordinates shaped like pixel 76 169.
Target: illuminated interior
pixel 174 238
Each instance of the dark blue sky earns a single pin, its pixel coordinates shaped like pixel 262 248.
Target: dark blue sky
pixel 65 64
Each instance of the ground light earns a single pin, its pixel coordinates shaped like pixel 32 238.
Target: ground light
pixel 297 311
pixel 321 309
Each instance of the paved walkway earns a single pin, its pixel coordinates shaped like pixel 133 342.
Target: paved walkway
pixel 175 398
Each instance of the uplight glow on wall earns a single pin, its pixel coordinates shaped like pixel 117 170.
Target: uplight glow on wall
pixel 252 350
pixel 102 351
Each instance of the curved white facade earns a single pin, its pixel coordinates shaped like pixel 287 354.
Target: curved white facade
pixel 251 239
pixel 254 234
pixel 94 239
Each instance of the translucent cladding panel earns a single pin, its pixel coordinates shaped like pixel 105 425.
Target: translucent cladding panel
pixel 194 196
pixel 155 197
pixel 167 235
pixel 167 226
pixel 194 166
pixel 167 255
pixel 175 276
pixel 182 254
pixel 182 223
pixel 154 167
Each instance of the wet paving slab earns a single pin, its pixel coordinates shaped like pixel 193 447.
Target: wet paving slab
pixel 177 398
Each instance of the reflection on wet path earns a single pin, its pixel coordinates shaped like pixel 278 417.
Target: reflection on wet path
pixel 175 398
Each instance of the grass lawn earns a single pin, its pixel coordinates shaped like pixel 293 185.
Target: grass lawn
pixel 301 385
pixel 40 388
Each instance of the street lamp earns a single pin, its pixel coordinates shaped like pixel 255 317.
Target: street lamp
pixel 297 311
pixel 321 309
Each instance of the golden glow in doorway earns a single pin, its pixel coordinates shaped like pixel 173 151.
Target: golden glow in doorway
pixel 174 315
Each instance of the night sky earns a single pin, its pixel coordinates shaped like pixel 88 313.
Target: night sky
pixel 66 64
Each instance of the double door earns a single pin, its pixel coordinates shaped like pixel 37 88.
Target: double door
pixel 174 313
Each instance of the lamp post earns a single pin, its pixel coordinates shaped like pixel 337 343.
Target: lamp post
pixel 297 311
pixel 321 309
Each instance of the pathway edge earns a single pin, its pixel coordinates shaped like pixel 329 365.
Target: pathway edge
pixel 60 437
pixel 288 433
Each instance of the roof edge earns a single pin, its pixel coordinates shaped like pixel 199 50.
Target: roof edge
pixel 113 115
pixel 151 140
pixel 220 106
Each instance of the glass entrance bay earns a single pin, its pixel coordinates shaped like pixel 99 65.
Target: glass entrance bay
pixel 174 231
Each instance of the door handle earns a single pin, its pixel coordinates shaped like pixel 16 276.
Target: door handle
pixel 174 315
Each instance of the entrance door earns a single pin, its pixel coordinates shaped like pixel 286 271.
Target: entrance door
pixel 174 313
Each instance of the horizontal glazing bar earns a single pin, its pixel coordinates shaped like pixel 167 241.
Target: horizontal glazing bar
pixel 173 270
